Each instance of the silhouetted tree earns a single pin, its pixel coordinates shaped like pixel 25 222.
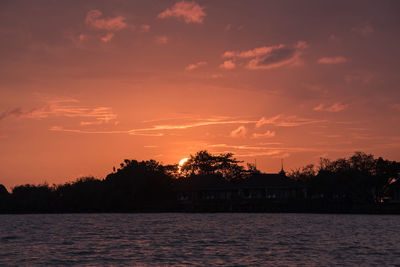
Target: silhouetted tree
pixel 359 179
pixel 150 186
pixel 84 195
pixel 33 198
pixel 386 172
pixel 3 190
pixel 252 169
pixel 304 174
pixel 4 199
pixel 139 185
pixel 203 163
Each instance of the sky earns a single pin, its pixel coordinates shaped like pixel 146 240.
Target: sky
pixel 87 84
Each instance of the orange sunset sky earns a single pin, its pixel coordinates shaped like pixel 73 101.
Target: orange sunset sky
pixel 86 84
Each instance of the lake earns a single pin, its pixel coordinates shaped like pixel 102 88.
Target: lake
pixel 199 239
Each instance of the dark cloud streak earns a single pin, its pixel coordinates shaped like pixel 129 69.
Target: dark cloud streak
pixel 16 112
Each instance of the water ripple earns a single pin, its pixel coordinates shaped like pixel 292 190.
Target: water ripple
pixel 199 239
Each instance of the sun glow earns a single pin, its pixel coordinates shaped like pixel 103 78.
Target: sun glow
pixel 183 161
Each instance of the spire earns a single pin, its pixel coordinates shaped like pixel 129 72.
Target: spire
pixel 282 172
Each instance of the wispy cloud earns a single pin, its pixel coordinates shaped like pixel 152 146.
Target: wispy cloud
pixel 286 121
pixel 160 130
pixel 284 155
pixel 62 129
pixel 94 19
pixel 83 37
pixel 102 114
pixel 266 134
pixel 64 108
pixel 208 122
pixel 332 60
pixel 106 38
pixel 16 112
pixel 195 65
pixel 162 39
pixel 267 57
pixel 228 65
pixel 259 150
pixel 262 147
pixel 144 28
pixel 271 120
pixel 365 136
pixel 278 150
pixel 336 107
pixel 274 153
pixel 241 131
pixel 246 150
pixel 190 12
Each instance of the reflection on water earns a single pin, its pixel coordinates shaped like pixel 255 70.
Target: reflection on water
pixel 203 239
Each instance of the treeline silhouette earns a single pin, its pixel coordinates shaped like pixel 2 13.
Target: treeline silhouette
pixel 147 186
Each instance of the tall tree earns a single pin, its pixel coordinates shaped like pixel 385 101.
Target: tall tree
pixel 204 163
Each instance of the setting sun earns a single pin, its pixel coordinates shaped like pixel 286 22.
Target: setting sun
pixel 183 161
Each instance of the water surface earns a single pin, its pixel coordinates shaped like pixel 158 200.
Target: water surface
pixel 201 239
